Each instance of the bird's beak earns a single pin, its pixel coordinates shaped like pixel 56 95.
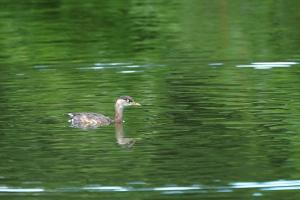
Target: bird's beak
pixel 136 104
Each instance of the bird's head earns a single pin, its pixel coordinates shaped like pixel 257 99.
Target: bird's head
pixel 124 101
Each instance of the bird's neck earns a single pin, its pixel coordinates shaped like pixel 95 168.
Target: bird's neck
pixel 118 113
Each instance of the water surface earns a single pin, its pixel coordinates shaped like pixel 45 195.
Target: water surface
pixel 218 81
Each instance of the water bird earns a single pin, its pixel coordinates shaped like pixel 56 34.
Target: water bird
pixel 94 120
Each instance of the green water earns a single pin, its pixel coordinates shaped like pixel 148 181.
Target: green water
pixel 218 81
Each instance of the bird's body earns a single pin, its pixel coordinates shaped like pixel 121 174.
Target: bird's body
pixel 93 120
pixel 89 119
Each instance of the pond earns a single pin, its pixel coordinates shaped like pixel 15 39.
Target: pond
pixel 218 82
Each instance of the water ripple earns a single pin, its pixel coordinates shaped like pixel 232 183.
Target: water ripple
pixel 268 65
pixel 259 186
pixel 129 71
pixel 100 66
pixel 21 190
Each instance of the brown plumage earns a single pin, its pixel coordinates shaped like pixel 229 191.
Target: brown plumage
pixel 93 120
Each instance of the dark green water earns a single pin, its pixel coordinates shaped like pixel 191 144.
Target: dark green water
pixel 218 81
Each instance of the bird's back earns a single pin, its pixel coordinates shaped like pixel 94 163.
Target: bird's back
pixel 88 120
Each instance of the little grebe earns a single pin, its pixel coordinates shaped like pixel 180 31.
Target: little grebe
pixel 93 120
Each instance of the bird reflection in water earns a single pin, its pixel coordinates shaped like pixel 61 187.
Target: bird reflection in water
pixel 120 136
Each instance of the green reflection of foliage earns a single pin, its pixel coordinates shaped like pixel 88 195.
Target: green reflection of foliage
pixel 201 122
